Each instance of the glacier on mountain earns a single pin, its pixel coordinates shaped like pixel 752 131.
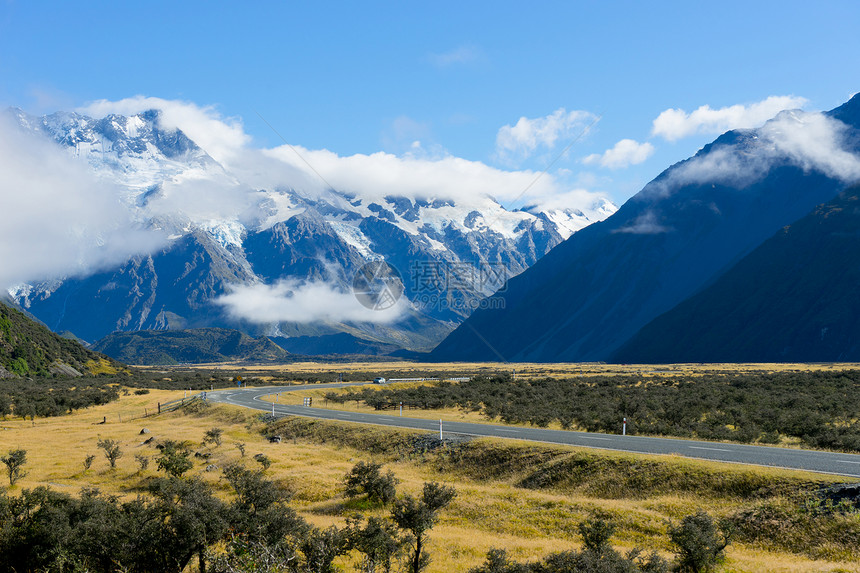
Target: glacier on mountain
pixel 227 230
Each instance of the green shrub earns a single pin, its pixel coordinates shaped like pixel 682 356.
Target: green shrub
pixel 366 479
pixel 14 462
pixel 112 450
pixel 700 543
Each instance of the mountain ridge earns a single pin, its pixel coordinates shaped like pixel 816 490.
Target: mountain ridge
pixel 795 297
pixel 277 238
pixel 593 292
pixel 199 345
pixel 29 349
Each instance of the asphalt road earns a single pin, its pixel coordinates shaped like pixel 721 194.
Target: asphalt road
pixel 816 461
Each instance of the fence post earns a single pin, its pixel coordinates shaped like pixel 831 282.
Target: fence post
pixel 159 407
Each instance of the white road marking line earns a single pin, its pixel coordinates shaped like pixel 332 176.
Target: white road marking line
pixel 593 438
pixel 847 462
pixel 711 449
pixel 512 431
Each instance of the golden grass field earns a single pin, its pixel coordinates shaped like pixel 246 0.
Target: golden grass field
pixel 529 370
pixel 487 513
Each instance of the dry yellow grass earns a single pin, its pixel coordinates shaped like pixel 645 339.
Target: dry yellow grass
pixel 529 370
pixel 486 514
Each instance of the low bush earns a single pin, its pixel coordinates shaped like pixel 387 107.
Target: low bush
pixel 816 407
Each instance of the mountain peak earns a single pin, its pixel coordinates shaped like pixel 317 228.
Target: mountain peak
pixel 848 112
pixel 596 290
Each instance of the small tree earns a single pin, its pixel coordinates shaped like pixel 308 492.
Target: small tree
pixel 112 450
pixel 701 543
pixel 377 542
pixel 418 516
pixel 174 459
pixel 596 534
pixel 321 547
pixel 498 562
pixel 213 436
pixel 88 462
pixel 259 510
pixel 263 460
pixel 14 461
pixel 142 461
pixel 241 447
pixel 365 478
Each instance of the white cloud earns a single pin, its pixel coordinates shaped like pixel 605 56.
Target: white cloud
pixel 814 141
pixel 403 132
pixel 422 171
pixel 220 137
pixel 461 55
pixel 674 124
pixel 58 217
pixel 644 224
pixel 810 140
pixel 293 301
pixel 528 135
pixel 623 154
pixel 418 177
pixel 58 189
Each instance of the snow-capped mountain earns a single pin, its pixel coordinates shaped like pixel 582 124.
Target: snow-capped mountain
pixel 230 243
pixel 595 296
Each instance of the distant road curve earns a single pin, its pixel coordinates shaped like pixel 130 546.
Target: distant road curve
pixel 823 462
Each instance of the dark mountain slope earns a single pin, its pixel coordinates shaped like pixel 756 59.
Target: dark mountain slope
pixel 593 292
pixel 795 298
pixel 199 345
pixel 27 348
pixel 170 289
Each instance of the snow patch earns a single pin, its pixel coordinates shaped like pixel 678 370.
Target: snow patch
pixel 352 235
pixel 227 233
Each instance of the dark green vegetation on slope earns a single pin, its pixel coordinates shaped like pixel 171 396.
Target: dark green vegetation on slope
pixel 198 345
pixel 797 295
pixel 56 396
pixel 29 349
pixel 817 408
pixel 44 398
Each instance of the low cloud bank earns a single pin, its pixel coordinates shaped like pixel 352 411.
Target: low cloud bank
pixel 59 219
pixel 303 302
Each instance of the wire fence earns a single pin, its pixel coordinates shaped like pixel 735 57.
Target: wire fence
pixel 160 408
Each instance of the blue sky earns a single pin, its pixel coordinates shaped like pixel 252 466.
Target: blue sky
pixel 358 78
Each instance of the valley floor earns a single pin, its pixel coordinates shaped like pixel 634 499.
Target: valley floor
pixel 498 504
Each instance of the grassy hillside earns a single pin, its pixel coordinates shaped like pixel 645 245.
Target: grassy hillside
pixel 195 346
pixel 29 349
